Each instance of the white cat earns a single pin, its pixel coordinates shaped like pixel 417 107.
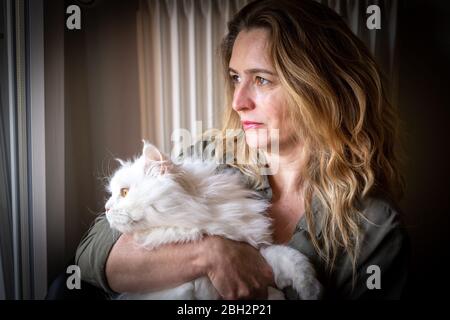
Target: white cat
pixel 159 202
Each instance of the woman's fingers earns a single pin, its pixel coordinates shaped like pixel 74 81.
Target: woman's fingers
pixel 237 270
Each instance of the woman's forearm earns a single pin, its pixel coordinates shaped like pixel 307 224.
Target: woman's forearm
pixel 130 268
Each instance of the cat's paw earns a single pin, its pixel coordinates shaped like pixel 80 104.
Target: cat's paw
pixel 307 286
pixel 292 268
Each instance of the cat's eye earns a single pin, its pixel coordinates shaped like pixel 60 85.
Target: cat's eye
pixel 123 192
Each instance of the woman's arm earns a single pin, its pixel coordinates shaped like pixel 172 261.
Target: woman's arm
pixel 237 270
pixel 115 263
pixel 130 268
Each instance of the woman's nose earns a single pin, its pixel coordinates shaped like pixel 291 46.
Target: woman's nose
pixel 242 99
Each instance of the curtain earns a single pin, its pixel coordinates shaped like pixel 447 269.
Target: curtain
pixel 180 75
pixel 6 261
pixel 22 185
pixel 6 250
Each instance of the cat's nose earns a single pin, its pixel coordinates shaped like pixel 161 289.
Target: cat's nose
pixel 108 205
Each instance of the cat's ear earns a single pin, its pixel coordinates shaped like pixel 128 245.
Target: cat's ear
pixel 152 154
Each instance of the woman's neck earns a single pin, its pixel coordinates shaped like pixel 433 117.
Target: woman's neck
pixel 287 205
pixel 287 167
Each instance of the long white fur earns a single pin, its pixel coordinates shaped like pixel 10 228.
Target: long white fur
pixel 175 203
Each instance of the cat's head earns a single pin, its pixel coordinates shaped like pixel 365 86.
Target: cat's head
pixel 134 189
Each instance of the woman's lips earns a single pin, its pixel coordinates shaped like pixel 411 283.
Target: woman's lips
pixel 251 125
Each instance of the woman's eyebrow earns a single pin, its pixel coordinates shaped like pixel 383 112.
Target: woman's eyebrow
pixel 254 70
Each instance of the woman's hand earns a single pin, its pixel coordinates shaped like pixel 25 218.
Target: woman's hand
pixel 236 269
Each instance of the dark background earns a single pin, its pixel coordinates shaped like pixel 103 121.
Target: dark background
pixel 424 102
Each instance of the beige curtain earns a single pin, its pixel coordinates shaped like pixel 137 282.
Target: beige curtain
pixel 179 69
pixel 180 75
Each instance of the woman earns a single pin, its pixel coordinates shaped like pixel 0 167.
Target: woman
pixel 308 94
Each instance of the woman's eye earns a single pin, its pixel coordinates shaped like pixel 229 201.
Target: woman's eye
pixel 235 78
pixel 123 192
pixel 261 81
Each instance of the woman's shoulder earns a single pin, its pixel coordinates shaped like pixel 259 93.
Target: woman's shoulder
pixel 378 211
pixel 383 232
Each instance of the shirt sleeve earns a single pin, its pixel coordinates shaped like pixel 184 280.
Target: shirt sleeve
pixel 93 251
pixel 381 267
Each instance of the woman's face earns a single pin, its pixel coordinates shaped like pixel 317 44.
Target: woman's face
pixel 258 96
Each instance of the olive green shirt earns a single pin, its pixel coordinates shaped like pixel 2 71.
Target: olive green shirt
pixel 384 245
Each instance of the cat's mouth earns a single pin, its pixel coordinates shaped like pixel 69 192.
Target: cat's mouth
pixel 118 219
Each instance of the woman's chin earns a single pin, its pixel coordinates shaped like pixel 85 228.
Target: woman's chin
pixel 255 139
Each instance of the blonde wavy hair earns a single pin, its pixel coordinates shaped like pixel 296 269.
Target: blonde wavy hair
pixel 339 104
